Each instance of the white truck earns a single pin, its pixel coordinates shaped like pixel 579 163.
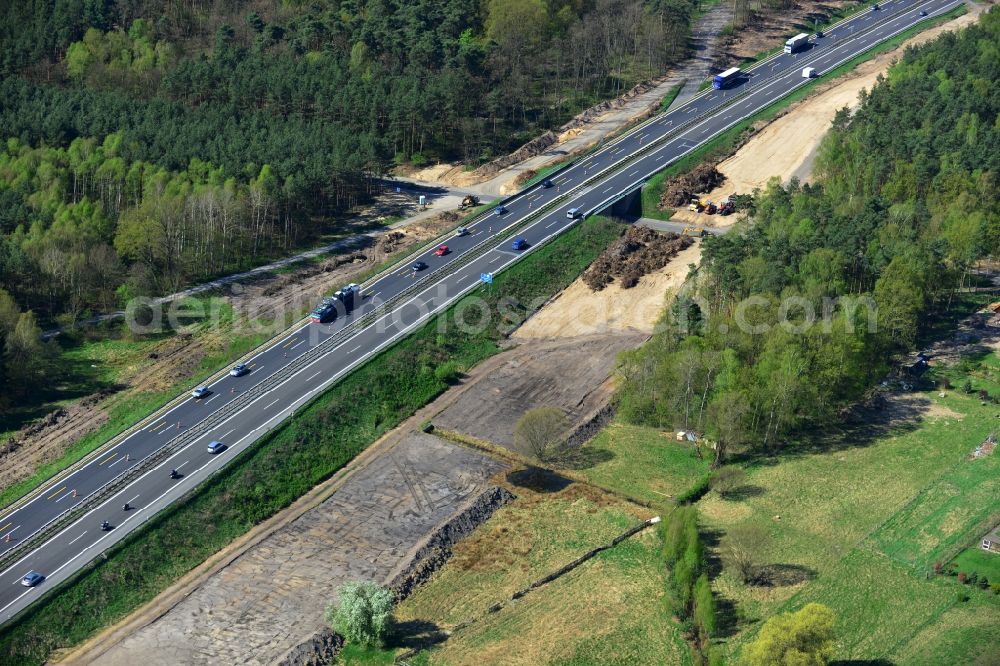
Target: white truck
pixel 809 73
pixel 796 43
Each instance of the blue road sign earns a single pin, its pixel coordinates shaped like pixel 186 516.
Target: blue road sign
pixel 486 277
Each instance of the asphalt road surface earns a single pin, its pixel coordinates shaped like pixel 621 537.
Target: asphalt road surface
pixel 589 185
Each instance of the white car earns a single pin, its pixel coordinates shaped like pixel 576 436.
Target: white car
pixel 200 392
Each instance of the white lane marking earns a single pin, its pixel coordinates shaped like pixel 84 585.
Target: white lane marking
pixel 18 596
pixel 271 404
pixel 608 190
pixel 109 466
pixel 178 467
pixel 12 531
pixel 554 223
pixel 136 497
pixel 355 349
pixel 163 431
pixel 660 157
pixel 211 399
pixel 296 345
pixel 227 434
pixel 633 173
pixel 313 376
pixel 495 260
pixel 76 539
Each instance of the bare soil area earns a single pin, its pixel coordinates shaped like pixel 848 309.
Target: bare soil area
pixel 769 29
pixel 271 597
pixel 579 311
pixel 571 374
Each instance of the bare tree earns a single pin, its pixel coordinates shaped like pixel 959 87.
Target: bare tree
pixel 744 544
pixel 727 479
pixel 541 434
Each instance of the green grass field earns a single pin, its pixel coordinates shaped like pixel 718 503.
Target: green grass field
pixel 978 560
pixel 858 522
pixel 643 463
pixel 592 615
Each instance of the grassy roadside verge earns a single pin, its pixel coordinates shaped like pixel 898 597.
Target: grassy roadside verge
pixel 669 98
pixel 723 143
pixel 320 439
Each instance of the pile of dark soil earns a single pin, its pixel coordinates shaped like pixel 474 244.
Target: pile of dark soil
pixel 680 190
pixel 638 252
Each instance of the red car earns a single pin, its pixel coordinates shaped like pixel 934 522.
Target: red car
pixel 441 251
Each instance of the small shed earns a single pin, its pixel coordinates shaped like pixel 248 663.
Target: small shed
pixel 991 541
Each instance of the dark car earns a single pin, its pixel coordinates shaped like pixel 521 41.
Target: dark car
pixel 518 244
pixel 819 34
pixel 418 266
pixel 923 12
pixel 546 183
pixel 239 370
pixel 875 7
pixel 323 312
pixel 32 578
pixel 500 210
pixel 215 447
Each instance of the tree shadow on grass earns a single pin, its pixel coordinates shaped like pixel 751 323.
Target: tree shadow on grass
pixel 538 479
pixel 743 492
pixel 727 620
pixel 858 427
pixel 584 457
pixel 782 575
pixel 416 634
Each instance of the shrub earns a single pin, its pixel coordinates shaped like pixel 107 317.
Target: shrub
pixel 995 587
pixel 803 637
pixel 937 568
pixel 973 578
pixel 364 614
pixel 704 607
pixel 448 372
pixel 695 492
pixel 984 583
pixel 967 386
pixel 962 596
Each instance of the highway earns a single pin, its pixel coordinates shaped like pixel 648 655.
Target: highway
pixel 67 513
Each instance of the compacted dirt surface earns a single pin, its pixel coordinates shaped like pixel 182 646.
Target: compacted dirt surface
pixel 271 597
pixel 579 311
pixel 571 374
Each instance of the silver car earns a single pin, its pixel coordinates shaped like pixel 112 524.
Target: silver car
pixel 200 392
